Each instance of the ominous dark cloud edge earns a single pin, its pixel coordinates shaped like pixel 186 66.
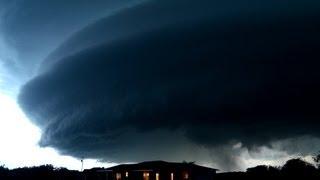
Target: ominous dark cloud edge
pixel 258 82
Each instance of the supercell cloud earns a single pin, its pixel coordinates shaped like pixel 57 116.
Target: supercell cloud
pixel 182 80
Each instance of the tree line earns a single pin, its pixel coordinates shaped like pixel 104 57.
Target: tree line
pixel 293 169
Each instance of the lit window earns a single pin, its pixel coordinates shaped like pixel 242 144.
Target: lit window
pixel 127 174
pixel 118 176
pixel 171 176
pixel 145 176
pixel 157 176
pixel 186 176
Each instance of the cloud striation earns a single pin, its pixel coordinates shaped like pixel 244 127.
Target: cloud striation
pixel 174 81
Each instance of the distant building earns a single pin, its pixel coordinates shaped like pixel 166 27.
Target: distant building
pixel 159 170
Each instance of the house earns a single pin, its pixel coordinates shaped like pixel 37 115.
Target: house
pixel 159 170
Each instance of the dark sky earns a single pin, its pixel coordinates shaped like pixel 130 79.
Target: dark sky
pixel 172 80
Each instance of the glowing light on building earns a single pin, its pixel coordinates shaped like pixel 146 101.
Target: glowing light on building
pixel 185 175
pixel 145 176
pixel 118 176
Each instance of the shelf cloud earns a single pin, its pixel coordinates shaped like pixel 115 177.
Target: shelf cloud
pixel 163 79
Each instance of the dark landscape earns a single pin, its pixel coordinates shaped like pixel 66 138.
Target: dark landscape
pixel 292 169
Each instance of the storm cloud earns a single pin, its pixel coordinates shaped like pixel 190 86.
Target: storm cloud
pixel 32 29
pixel 164 80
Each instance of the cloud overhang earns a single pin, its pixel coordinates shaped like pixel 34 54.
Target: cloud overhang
pixel 161 79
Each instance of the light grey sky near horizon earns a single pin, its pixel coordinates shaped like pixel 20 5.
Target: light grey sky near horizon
pixel 29 31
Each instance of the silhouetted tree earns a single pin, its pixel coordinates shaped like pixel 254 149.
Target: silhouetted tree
pixel 4 172
pixel 298 167
pixel 316 159
pixel 263 170
pixel 36 172
pixel 190 162
pixel 274 170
